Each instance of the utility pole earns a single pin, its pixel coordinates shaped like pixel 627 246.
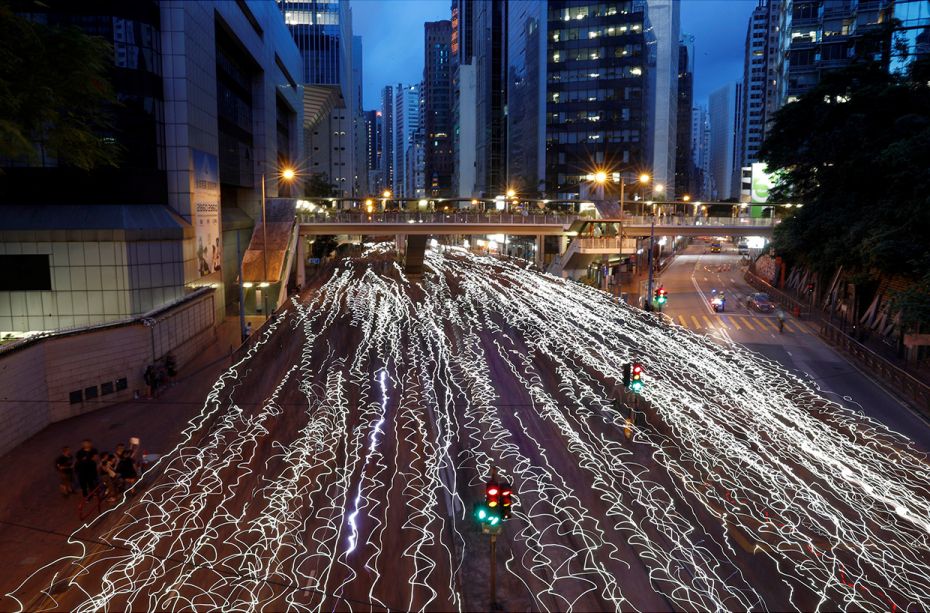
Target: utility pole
pixel 652 238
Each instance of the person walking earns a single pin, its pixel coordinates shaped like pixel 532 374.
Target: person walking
pixel 64 464
pixel 781 321
pixel 85 465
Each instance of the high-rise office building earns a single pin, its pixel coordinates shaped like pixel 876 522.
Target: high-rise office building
pixel 700 153
pixel 478 51
pixel 684 167
pixel 386 163
pixel 371 139
pixel 662 34
pixel 208 103
pixel 322 30
pixel 437 109
pixel 817 36
pixel 723 112
pixel 526 96
pixel 595 115
pixel 489 46
pixel 760 77
pixel 406 124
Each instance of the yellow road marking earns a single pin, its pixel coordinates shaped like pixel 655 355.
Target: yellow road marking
pixel 735 323
pixel 760 324
pixel 747 324
pixel 709 325
pixel 697 324
pixel 681 318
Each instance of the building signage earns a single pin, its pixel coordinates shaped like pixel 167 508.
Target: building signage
pixel 205 194
pixel 762 182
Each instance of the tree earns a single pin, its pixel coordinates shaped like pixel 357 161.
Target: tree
pixel 855 151
pixel 54 93
pixel 317 185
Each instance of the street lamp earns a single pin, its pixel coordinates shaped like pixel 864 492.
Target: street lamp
pixel 287 175
pixel 511 193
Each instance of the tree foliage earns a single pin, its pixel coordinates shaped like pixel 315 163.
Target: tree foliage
pixel 54 92
pixel 317 185
pixel 855 151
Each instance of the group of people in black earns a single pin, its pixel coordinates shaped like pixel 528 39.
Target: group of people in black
pixel 94 472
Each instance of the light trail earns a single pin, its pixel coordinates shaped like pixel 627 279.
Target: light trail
pixel 334 466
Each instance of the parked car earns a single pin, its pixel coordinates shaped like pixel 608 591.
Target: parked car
pixel 743 248
pixel 761 302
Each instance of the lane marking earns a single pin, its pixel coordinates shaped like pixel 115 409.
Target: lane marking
pixel 697 324
pixel 721 322
pixel 760 324
pixel 746 323
pixel 709 324
pixel 681 318
pixel 734 322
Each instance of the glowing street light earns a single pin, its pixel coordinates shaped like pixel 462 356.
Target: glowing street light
pixel 511 193
pixel 644 178
pixel 600 177
pixel 288 174
pixel 386 194
pixel 686 198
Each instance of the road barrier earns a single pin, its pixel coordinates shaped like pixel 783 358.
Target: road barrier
pixel 907 385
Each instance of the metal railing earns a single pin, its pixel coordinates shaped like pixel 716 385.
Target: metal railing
pixel 342 217
pixel 563 219
pixel 907 385
pixel 605 242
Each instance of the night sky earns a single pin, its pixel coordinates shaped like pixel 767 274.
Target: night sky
pixel 392 41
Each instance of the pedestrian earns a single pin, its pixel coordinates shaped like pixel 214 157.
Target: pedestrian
pixel 150 380
pixel 248 330
pixel 126 468
pixel 107 471
pixel 85 465
pixel 64 464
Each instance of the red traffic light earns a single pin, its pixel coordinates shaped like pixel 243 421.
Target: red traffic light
pixel 505 500
pixel 637 369
pixel 492 494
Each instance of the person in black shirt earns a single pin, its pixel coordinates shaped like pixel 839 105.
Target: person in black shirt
pixel 64 464
pixel 86 466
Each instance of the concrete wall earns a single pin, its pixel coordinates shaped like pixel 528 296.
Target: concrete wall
pixel 51 378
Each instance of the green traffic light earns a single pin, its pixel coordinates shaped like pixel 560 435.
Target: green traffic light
pixel 636 386
pixel 482 514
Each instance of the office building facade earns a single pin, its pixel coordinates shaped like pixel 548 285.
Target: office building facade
pixel 817 36
pixel 723 111
pixel 911 37
pixel 406 118
pixel 684 167
pixel 437 108
pixel 662 35
pixel 595 98
pixel 322 30
pixel 760 77
pixel 209 103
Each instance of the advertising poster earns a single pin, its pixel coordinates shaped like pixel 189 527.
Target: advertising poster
pixel 205 193
pixel 762 182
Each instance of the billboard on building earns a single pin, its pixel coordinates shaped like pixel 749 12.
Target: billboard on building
pixel 205 194
pixel 762 182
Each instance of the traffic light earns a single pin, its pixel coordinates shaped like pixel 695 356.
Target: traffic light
pixel 492 494
pixel 661 296
pixel 627 368
pixel 505 500
pixel 636 380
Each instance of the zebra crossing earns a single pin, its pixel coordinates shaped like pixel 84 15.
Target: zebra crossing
pixel 737 322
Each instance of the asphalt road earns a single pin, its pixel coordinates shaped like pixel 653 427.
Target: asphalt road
pixel 336 465
pixel 691 279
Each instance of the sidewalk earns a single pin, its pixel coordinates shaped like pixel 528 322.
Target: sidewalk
pixel 35 519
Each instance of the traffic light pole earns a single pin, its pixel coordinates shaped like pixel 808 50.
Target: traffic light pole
pixel 652 238
pixel 492 604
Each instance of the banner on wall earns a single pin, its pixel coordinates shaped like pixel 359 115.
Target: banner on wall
pixel 762 182
pixel 205 193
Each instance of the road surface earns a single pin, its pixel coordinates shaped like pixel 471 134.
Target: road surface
pixel 336 465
